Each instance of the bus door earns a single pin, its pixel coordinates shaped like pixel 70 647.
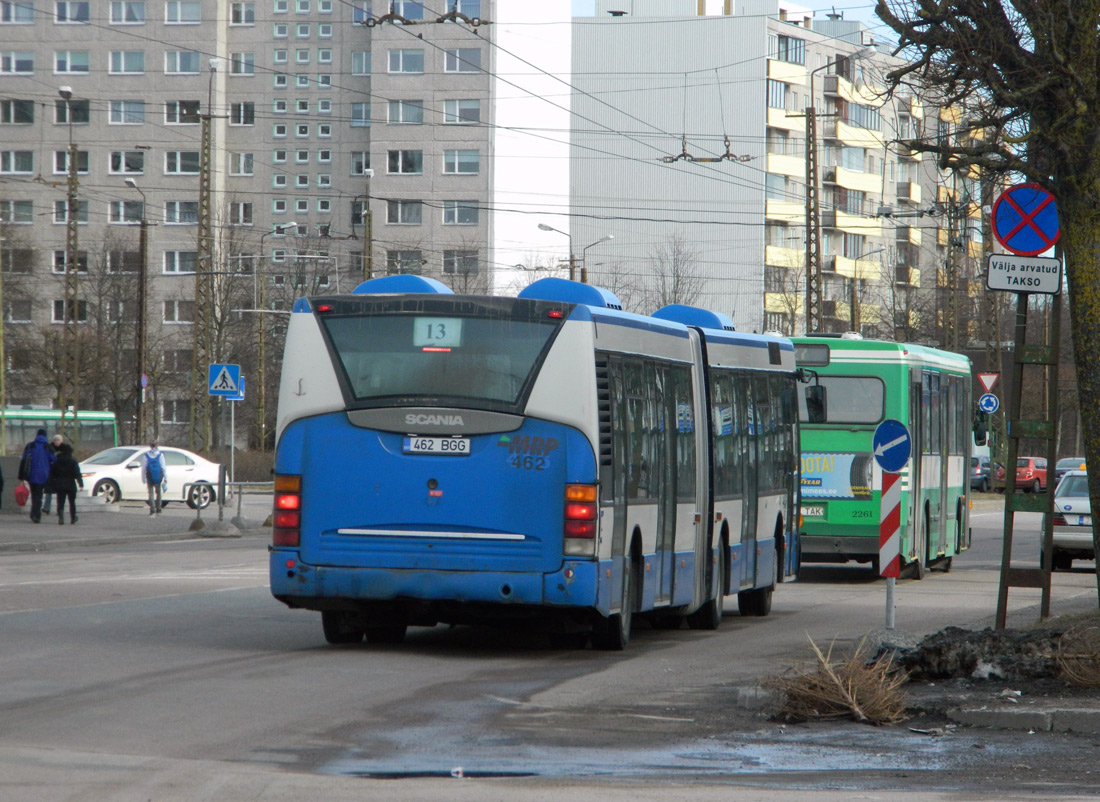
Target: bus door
pixel 751 423
pixel 917 435
pixel 943 413
pixel 664 474
pixel 619 454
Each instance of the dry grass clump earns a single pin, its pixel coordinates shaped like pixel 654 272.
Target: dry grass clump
pixel 849 687
pixel 1078 654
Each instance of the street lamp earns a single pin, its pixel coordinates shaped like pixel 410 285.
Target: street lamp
pixel 572 260
pixel 143 289
pixel 584 257
pixel 854 305
pixel 72 365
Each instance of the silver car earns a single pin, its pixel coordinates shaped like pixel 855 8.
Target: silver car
pixel 1072 521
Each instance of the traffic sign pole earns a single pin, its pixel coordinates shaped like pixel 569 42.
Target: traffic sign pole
pixel 889 539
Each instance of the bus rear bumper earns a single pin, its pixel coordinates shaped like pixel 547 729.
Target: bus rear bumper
pixel 833 549
pixel 319 587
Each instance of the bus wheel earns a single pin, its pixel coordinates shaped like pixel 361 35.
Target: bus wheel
pixel 107 490
pixel 757 601
pixel 339 627
pixel 613 633
pixel 709 616
pixel 383 635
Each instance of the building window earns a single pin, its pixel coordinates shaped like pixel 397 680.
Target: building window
pixel 280 31
pixel 60 262
pixel 462 112
pixel 182 213
pixel 126 112
pixel 242 14
pixel 72 11
pixel 18 260
pixel 864 116
pixel 301 55
pixel 125 212
pixel 407 162
pixel 409 9
pixel 242 64
pixel 127 62
pixel 17 12
pixel 127 12
pixel 360 63
pixel 301 30
pixel 181 162
pixel 301 130
pixel 178 411
pixel 461 162
pixel 790 49
pixel 178 360
pixel 301 156
pixel 775 187
pixel 281 6
pixel 278 130
pixel 16 112
pixel 124 261
pixel 301 80
pixel 360 114
pixel 179 311
pixel 324 106
pixel 61 211
pixel 460 263
pixel 324 55
pixel 278 206
pixel 301 181
pixel 407 213
pixel 409 112
pixel 279 180
pixel 14 62
pixel 324 156
pixel 17 161
pixel 777 94
pixel 240 213
pixel 463 59
pixel 18 311
pixel 64 313
pixel 18 212
pixel 324 130
pixel 404 261
pixel 324 181
pixel 180 261
pixel 127 162
pixel 301 206
pixel 360 162
pixel 279 156
pixel 182 12
pixel 181 112
pixel 72 62
pixel 61 162
pixel 324 30
pixel 460 213
pixel 282 80
pixel 242 114
pixel 241 164
pixel 182 62
pixel 81 111
pixel 406 61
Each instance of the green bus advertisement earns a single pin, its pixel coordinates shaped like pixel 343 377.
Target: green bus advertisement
pixel 93 430
pixel 865 383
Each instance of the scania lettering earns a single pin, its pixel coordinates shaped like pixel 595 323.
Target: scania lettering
pixel 540 461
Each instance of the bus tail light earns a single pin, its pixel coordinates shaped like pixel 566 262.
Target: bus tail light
pixel 579 527
pixel 286 519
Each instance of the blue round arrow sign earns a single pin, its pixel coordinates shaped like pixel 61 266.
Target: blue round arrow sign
pixel 891 445
pixel 989 403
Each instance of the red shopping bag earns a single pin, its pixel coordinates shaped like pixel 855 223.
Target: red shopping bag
pixel 21 494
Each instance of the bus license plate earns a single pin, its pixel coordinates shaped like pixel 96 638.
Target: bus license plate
pixel 447 446
pixel 814 511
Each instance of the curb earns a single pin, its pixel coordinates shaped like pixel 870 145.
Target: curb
pixel 1048 720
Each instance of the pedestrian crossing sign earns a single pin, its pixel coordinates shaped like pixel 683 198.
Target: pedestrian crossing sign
pixel 224 379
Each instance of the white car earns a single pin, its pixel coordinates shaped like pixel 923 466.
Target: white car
pixel 115 474
pixel 1072 521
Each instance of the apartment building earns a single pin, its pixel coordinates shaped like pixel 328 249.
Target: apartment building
pixel 343 139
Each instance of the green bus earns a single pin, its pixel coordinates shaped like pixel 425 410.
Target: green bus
pixel 95 430
pixel 865 383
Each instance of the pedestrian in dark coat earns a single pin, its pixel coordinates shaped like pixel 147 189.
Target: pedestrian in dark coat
pixel 65 477
pixel 34 468
pixel 48 492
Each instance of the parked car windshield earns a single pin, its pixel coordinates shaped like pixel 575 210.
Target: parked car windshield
pixel 112 456
pixel 1073 486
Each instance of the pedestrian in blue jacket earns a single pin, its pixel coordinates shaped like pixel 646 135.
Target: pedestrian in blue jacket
pixel 34 468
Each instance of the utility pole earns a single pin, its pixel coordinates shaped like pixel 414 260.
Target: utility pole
pixel 202 349
pixel 142 325
pixel 813 221
pixel 69 378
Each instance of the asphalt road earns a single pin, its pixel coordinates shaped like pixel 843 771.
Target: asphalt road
pixel 162 669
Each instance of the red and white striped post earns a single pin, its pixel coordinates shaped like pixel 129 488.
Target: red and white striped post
pixel 889 538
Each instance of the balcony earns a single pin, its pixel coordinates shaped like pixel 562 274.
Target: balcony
pixel 909 192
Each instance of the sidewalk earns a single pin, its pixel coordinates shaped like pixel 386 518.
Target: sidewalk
pixel 100 524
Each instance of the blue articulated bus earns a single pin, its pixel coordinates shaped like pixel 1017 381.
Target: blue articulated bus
pixel 547 460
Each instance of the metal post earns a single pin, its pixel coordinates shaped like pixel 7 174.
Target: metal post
pixel 72 364
pixel 142 343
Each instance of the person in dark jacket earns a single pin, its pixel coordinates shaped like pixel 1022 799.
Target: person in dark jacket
pixel 47 493
pixel 65 477
pixel 34 468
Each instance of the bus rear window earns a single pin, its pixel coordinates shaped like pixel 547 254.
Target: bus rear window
pixel 440 358
pixel 849 399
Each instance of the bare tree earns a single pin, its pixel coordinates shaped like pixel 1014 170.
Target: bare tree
pixel 675 276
